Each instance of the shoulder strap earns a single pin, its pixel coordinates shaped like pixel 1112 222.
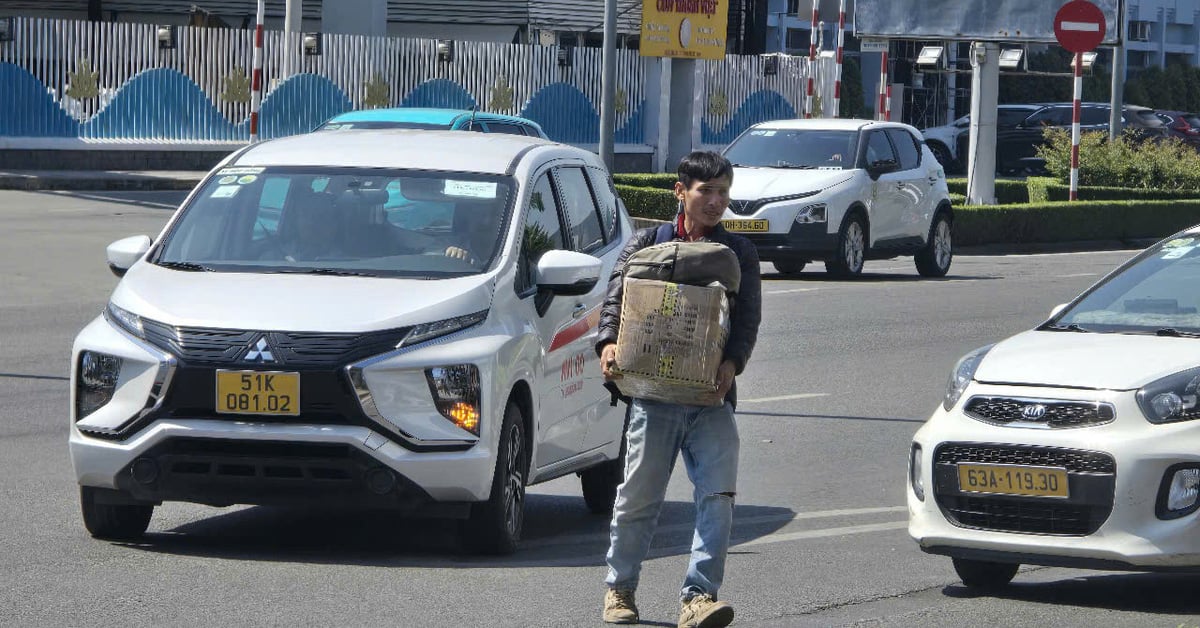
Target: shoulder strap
pixel 664 233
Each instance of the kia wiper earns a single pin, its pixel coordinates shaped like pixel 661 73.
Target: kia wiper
pixel 1175 333
pixel 187 266
pixel 796 167
pixel 1071 327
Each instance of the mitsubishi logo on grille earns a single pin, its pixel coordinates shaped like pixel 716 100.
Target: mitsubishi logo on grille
pixel 1033 412
pixel 259 351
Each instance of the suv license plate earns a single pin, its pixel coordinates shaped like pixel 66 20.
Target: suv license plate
pixel 1010 479
pixel 746 225
pixel 258 392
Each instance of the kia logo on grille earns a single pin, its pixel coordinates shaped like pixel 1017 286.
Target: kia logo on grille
pixel 1033 412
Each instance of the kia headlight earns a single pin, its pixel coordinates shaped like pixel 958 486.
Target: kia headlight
pixel 96 378
pixel 125 320
pixel 437 329
pixel 1172 398
pixel 962 375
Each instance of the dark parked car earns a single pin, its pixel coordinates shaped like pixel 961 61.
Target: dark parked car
pixel 1182 125
pixel 1016 147
pixel 949 142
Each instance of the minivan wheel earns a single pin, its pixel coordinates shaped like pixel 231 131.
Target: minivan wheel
pixel 118 522
pixel 494 526
pixel 981 574
pixel 934 259
pixel 851 248
pixel 601 481
pixel 789 267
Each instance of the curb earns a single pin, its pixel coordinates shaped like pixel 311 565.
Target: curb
pixel 92 180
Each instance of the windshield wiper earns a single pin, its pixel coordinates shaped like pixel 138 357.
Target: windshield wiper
pixel 188 266
pixel 744 166
pixel 1175 333
pixel 1071 327
pixel 335 272
pixel 795 167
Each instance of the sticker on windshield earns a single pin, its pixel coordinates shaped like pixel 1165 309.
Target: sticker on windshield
pixel 1178 242
pixel 240 171
pixel 1177 252
pixel 758 133
pixel 225 191
pixel 471 189
pixel 830 168
pixel 226 180
pixel 247 179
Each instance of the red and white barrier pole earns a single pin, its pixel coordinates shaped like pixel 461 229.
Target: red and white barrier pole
pixel 1075 126
pixel 256 78
pixel 887 102
pixel 837 75
pixel 881 110
pixel 812 61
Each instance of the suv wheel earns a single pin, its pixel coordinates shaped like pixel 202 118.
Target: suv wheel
pixel 789 267
pixel 851 248
pixel 934 259
pixel 980 574
pixel 119 522
pixel 494 526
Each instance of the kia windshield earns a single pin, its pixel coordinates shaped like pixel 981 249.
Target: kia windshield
pixel 358 222
pixel 1152 294
pixel 801 149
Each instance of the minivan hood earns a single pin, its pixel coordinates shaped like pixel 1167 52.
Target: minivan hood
pixel 756 183
pixel 293 302
pixel 1091 360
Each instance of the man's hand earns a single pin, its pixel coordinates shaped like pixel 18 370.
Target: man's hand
pixel 608 361
pixel 458 253
pixel 725 374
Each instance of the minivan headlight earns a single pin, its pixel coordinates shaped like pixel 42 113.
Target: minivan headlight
pixel 962 375
pixel 437 329
pixel 1172 398
pixel 125 319
pixel 455 392
pixel 95 381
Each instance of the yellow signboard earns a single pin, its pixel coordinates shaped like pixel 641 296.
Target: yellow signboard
pixel 688 29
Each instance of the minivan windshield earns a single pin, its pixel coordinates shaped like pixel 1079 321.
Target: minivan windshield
pixel 794 148
pixel 1152 294
pixel 351 221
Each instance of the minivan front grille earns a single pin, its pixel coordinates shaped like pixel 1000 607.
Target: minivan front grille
pixel 204 345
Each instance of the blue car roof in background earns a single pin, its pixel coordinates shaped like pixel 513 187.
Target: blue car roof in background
pixel 422 115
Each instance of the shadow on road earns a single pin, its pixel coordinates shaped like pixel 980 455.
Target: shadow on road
pixel 869 277
pixel 1164 594
pixel 158 199
pixel 559 531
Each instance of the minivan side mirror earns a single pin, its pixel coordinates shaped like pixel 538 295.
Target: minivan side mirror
pixel 568 273
pixel 126 252
pixel 1057 309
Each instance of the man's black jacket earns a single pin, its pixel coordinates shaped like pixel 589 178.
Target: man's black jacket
pixel 745 313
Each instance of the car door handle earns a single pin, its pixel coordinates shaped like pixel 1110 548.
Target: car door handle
pixel 579 310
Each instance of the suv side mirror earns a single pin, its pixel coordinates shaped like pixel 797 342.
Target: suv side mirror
pixel 126 252
pixel 881 166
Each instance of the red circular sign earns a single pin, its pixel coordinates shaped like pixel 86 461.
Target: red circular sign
pixel 1079 26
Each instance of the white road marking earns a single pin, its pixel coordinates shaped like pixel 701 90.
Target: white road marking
pixel 1076 275
pixel 791 291
pixel 784 397
pixel 822 533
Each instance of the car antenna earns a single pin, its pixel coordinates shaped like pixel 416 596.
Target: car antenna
pixel 471 123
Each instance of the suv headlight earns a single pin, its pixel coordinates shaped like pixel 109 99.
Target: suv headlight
pixel 1172 398
pixel 95 381
pixel 455 392
pixel 437 329
pixel 962 375
pixel 125 319
pixel 814 213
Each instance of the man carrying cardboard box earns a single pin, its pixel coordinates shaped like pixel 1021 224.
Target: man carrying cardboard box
pixel 659 431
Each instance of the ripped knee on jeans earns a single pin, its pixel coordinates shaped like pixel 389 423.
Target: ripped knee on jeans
pixel 729 494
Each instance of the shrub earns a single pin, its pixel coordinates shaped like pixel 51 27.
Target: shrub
pixel 1068 221
pixel 648 202
pixel 1163 164
pixel 1007 192
pixel 1045 189
pixel 658 180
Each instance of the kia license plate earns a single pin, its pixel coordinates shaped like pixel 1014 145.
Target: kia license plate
pixel 1011 479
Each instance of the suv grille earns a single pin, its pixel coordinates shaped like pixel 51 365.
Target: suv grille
pixel 226 346
pixel 744 208
pixel 1091 478
pixel 1039 412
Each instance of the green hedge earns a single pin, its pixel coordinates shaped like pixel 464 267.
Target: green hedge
pixel 1045 189
pixel 648 202
pixel 658 180
pixel 1066 221
pixel 1008 192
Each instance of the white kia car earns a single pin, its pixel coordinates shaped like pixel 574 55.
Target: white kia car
pixel 841 191
pixel 1077 443
pixel 399 319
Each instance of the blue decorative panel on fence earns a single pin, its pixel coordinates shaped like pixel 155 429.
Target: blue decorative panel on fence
pixel 26 108
pixel 760 106
pixel 439 93
pixel 298 105
pixel 567 115
pixel 160 104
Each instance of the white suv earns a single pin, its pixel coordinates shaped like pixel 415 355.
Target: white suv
pixel 402 319
pixel 842 191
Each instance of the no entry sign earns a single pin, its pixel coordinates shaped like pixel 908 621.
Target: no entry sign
pixel 1079 26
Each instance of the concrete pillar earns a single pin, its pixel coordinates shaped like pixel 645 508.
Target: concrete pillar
pixel 652 120
pixel 985 91
pixel 683 126
pixel 354 17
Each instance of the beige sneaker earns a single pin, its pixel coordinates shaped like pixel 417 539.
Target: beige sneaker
pixel 702 611
pixel 619 607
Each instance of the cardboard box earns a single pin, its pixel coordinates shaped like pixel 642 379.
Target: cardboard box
pixel 671 341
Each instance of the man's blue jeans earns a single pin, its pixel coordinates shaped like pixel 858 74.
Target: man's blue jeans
pixel 658 432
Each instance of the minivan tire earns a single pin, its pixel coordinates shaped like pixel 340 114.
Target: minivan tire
pixel 789 267
pixel 117 522
pixel 494 526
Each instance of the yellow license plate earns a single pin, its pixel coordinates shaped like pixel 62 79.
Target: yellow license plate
pixel 746 225
pixel 258 392
pixel 1011 479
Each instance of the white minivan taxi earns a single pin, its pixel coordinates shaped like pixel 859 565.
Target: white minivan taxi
pixel 400 319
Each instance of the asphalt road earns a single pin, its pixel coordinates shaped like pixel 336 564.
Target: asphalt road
pixel 844 373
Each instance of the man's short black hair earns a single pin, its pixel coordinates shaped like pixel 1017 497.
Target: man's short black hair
pixel 703 165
